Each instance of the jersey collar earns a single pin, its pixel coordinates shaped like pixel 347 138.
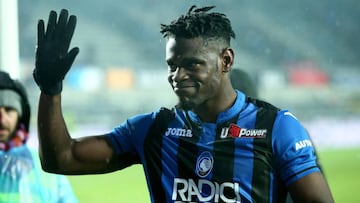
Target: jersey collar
pixel 227 114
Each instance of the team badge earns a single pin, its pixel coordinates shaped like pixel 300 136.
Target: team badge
pixel 204 164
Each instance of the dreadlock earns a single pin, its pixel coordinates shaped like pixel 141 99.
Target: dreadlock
pixel 197 22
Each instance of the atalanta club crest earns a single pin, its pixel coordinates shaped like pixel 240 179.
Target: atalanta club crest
pixel 204 164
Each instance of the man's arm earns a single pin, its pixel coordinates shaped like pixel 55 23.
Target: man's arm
pixel 293 160
pixel 311 188
pixel 60 153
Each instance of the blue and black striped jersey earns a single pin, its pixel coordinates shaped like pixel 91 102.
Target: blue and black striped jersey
pixel 250 154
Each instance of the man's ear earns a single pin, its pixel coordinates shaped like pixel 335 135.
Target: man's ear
pixel 227 59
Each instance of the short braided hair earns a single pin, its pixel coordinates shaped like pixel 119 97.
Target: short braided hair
pixel 198 23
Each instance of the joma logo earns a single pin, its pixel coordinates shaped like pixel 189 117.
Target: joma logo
pixel 180 132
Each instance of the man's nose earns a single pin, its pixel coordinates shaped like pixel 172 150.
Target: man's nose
pixel 179 74
pixel 2 114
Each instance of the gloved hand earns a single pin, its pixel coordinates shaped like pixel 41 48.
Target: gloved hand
pixel 53 60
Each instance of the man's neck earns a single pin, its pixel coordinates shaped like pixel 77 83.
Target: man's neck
pixel 209 111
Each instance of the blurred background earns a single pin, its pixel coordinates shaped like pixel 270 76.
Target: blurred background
pixel 302 55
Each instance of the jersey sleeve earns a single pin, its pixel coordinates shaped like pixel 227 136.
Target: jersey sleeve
pixel 129 136
pixel 293 149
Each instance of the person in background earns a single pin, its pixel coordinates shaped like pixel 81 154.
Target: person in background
pixel 21 176
pixel 242 81
pixel 215 145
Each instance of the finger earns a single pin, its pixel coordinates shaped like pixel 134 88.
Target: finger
pixel 51 24
pixel 60 26
pixel 40 33
pixel 69 31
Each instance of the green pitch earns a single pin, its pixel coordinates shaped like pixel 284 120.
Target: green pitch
pixel 341 168
pixel 128 186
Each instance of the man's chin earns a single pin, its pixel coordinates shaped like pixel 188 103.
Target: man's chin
pixel 185 105
pixel 4 135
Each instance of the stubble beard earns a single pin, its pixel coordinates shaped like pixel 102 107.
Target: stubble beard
pixel 185 104
pixel 6 135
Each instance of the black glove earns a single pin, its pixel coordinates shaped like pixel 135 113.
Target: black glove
pixel 53 60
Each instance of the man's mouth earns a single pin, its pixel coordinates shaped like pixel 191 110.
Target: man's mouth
pixel 2 129
pixel 183 85
pixel 184 90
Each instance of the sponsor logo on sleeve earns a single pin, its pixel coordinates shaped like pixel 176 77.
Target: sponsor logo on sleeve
pixel 303 144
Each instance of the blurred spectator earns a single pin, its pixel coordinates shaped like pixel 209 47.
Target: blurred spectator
pixel 21 176
pixel 242 81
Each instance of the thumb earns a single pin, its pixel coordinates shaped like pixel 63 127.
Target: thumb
pixel 70 57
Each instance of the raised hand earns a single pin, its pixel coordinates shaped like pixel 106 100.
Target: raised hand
pixel 53 60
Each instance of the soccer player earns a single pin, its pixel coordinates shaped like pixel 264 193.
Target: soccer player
pixel 215 145
pixel 21 176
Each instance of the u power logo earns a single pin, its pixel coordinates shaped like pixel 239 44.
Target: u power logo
pixel 235 131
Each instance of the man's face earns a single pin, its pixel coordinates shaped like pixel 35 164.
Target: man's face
pixel 8 122
pixel 193 70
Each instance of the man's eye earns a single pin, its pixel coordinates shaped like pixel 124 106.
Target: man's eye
pixel 9 109
pixel 187 66
pixel 192 66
